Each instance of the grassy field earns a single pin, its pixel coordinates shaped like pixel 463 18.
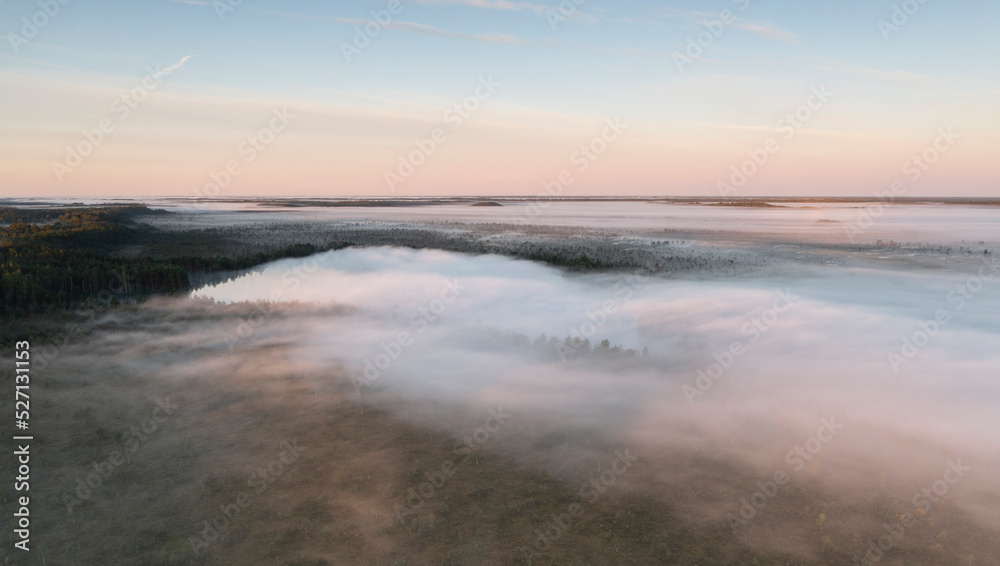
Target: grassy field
pixel 293 468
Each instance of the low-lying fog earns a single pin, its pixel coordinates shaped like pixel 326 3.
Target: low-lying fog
pixel 905 362
pixel 827 222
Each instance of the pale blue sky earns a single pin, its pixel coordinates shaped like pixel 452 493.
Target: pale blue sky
pixel 608 59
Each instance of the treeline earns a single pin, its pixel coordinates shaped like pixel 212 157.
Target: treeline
pixel 36 278
pixel 57 258
pixel 582 262
pixel 117 214
pixel 222 263
pixel 572 347
pixel 53 259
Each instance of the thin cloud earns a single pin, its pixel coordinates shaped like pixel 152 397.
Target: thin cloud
pixel 905 77
pixel 425 29
pixel 506 5
pixel 172 68
pixel 738 127
pixel 768 32
pixel 764 30
pixel 84 52
pixel 809 131
pixel 413 27
pixel 509 5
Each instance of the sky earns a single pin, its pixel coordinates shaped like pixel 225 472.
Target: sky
pixel 405 98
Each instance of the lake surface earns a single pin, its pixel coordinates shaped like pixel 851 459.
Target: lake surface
pixel 842 324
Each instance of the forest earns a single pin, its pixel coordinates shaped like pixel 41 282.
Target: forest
pixel 63 258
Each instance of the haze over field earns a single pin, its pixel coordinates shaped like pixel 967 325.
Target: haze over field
pixel 778 395
pixel 762 381
pixel 460 311
pixel 500 283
